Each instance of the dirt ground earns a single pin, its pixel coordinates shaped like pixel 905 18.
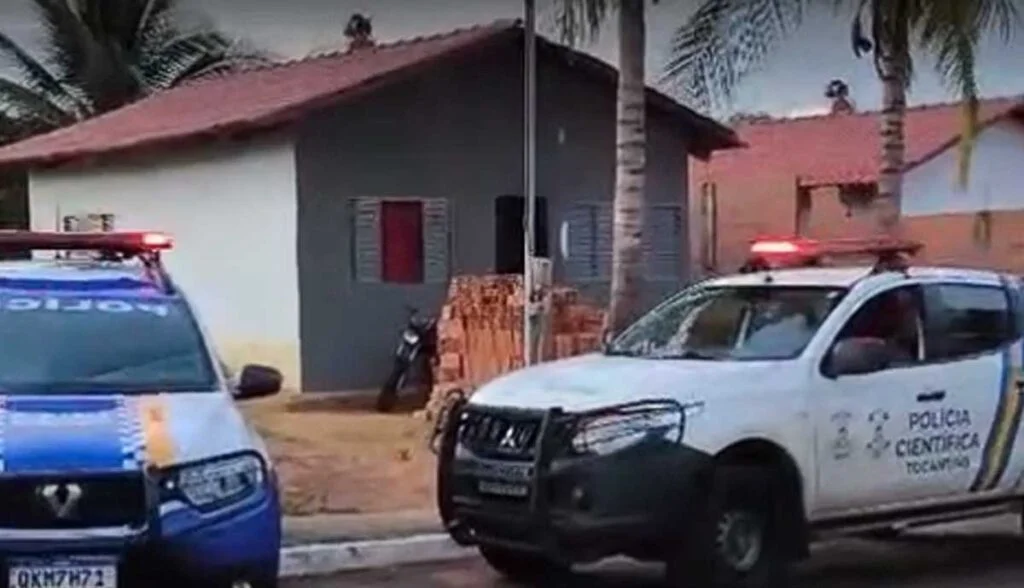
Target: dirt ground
pixel 336 455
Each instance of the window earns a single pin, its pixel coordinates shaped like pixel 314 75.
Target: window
pixel 964 320
pixel 78 343
pixel 88 222
pixel 588 245
pixel 401 241
pixel 857 198
pixel 731 323
pixel 589 241
pixel 895 317
pixel 663 242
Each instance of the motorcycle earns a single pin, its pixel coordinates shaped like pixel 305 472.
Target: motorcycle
pixel 414 355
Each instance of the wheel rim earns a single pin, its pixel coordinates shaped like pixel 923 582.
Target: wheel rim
pixel 740 540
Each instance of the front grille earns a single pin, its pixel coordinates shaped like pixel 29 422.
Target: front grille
pixel 500 434
pixel 103 501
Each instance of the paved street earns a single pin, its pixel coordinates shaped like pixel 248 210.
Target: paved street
pixel 985 557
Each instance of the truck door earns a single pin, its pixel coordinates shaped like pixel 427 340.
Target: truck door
pixel 863 419
pixel 961 437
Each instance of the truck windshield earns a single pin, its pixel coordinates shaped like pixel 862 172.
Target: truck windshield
pixel 91 344
pixel 730 323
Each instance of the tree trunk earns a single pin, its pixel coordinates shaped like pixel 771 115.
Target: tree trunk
pixel 892 71
pixel 630 163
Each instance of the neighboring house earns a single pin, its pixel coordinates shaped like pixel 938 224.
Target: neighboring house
pixel 312 201
pixel 814 176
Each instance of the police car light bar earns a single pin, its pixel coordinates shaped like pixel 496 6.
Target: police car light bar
pixel 801 252
pixel 127 243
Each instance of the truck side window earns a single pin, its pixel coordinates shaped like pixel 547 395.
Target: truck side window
pixel 893 316
pixel 964 320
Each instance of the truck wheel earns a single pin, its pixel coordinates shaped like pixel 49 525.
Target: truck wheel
pixel 734 542
pixel 525 568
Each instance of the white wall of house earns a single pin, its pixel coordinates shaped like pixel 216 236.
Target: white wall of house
pixel 996 179
pixel 232 213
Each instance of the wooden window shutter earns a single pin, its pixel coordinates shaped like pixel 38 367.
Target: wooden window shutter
pixel 663 242
pixel 436 241
pixel 603 243
pixel 366 244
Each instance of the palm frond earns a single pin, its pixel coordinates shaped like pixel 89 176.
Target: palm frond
pixel 67 38
pixel 950 31
pixel 724 41
pixel 579 21
pixel 34 74
pixel 191 55
pixel 18 100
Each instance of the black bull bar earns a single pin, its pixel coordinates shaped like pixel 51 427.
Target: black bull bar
pixel 552 441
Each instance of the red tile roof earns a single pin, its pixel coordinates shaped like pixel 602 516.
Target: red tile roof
pixel 831 149
pixel 269 97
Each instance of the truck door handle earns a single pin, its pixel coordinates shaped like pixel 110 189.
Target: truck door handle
pixel 934 396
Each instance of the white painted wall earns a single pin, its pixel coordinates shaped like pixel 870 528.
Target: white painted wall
pixel 232 214
pixel 996 178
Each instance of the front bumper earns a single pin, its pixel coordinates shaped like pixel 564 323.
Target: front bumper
pixel 573 508
pixel 180 547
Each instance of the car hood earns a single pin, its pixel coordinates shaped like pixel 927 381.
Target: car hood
pixel 593 381
pixel 117 432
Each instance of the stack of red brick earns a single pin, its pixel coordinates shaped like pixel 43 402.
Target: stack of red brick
pixel 480 332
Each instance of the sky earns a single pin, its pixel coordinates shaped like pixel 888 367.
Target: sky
pixel 791 83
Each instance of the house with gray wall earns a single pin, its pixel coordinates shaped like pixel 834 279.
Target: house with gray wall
pixel 313 201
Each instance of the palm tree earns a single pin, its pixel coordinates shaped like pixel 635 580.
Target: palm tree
pixel 577 21
pixel 726 39
pixel 99 55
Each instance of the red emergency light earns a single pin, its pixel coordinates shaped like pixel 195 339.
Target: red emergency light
pixel 799 252
pixel 125 243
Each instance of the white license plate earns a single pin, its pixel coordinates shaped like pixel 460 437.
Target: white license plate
pixel 504 489
pixel 60 575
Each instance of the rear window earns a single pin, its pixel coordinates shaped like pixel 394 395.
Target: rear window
pixel 77 343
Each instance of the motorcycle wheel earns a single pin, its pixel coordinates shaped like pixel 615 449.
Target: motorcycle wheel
pixel 389 391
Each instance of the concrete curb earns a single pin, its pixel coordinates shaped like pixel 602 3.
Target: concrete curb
pixel 319 559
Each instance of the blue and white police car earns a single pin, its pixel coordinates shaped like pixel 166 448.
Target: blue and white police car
pixel 123 458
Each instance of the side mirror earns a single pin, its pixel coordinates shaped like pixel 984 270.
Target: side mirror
pixel 857 355
pixel 258 381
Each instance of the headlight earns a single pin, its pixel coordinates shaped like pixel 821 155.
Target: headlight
pixel 217 483
pixel 608 433
pixel 411 337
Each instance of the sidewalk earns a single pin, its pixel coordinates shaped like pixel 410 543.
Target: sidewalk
pixel 337 528
pixel 321 545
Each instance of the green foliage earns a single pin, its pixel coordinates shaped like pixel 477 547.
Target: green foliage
pixel 99 55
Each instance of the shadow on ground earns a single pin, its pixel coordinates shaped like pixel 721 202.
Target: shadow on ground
pixel 963 561
pixel 913 561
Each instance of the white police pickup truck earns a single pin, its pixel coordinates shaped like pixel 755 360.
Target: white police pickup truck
pixel 123 458
pixel 749 416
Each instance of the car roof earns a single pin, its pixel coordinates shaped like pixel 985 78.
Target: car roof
pixel 846 276
pixel 33 277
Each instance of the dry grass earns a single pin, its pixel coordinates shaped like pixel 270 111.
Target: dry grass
pixel 338 456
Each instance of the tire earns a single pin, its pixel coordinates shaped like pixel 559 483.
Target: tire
pixel 734 542
pixel 388 396
pixel 526 569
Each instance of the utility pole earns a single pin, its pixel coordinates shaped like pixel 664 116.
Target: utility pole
pixel 530 176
